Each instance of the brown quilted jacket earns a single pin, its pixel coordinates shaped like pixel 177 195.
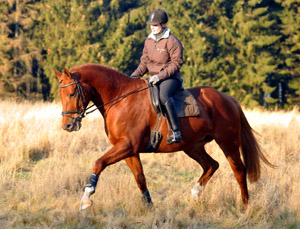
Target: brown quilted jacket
pixel 162 58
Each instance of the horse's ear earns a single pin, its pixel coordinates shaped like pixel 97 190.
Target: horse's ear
pixel 67 73
pixel 58 74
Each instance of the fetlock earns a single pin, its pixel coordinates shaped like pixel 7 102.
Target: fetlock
pixel 89 189
pixel 91 183
pixel 146 197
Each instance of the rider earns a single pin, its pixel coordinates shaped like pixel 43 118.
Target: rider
pixel 162 58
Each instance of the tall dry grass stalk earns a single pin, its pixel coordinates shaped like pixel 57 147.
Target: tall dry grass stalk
pixel 43 170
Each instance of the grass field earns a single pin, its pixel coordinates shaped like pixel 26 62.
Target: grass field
pixel 43 170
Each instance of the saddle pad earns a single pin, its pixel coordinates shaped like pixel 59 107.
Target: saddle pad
pixel 186 104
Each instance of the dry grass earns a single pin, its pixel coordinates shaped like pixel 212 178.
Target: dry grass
pixel 43 170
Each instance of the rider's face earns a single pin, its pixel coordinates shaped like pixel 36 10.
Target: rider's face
pixel 156 29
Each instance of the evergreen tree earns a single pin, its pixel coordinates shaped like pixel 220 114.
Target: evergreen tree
pixel 68 31
pixel 255 51
pixel 19 56
pixel 247 49
pixel 289 56
pixel 129 33
pixel 5 63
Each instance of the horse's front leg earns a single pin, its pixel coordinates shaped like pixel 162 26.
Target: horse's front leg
pixel 121 150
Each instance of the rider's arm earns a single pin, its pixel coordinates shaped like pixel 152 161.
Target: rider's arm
pixel 176 60
pixel 142 68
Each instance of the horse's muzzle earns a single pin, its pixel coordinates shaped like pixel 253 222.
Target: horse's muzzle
pixel 72 126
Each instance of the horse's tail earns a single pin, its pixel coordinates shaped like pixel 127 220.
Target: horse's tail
pixel 251 149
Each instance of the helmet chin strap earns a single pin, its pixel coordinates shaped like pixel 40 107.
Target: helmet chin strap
pixel 164 33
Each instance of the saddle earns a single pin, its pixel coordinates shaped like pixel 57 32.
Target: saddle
pixel 185 102
pixel 185 105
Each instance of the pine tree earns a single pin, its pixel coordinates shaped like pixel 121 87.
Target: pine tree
pixel 289 56
pixel 5 63
pixel 247 49
pixel 68 30
pixel 18 53
pixel 254 55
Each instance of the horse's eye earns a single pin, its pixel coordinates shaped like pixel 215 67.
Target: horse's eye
pixel 72 95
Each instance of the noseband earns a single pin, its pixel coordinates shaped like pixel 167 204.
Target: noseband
pixel 80 97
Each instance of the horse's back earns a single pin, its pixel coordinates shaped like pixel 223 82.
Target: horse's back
pixel 223 111
pixel 213 99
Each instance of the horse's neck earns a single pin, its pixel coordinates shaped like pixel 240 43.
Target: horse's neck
pixel 110 87
pixel 105 89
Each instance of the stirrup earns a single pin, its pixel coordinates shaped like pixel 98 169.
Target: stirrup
pixel 174 138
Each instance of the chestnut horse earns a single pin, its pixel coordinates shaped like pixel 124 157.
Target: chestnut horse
pixel 129 118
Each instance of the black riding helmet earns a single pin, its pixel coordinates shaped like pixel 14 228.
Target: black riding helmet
pixel 157 17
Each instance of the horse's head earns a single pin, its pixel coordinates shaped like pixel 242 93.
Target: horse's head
pixel 73 98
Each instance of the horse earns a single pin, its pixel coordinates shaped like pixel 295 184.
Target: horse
pixel 129 117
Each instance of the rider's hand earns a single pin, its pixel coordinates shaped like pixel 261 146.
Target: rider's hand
pixel 154 79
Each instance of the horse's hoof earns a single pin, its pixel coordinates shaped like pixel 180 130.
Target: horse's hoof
pixel 196 191
pixel 85 204
pixel 150 205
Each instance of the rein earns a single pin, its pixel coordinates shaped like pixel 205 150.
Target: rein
pixel 122 96
pixel 81 96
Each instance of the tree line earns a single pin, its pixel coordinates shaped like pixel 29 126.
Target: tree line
pixel 247 49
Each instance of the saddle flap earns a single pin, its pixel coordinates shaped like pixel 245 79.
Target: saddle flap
pixel 187 104
pixel 154 94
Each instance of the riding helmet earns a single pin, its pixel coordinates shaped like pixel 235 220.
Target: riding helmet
pixel 157 17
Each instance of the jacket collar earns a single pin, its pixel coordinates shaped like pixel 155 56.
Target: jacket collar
pixel 164 34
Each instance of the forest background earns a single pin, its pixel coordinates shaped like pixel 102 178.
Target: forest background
pixel 247 49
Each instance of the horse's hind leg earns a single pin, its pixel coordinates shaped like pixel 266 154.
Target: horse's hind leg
pixel 208 164
pixel 134 163
pixel 232 154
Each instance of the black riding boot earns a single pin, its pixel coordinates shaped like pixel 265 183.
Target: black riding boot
pixel 174 122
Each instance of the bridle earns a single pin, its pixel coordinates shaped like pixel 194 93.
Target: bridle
pixel 81 97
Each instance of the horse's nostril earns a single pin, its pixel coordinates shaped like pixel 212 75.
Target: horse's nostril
pixel 69 126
